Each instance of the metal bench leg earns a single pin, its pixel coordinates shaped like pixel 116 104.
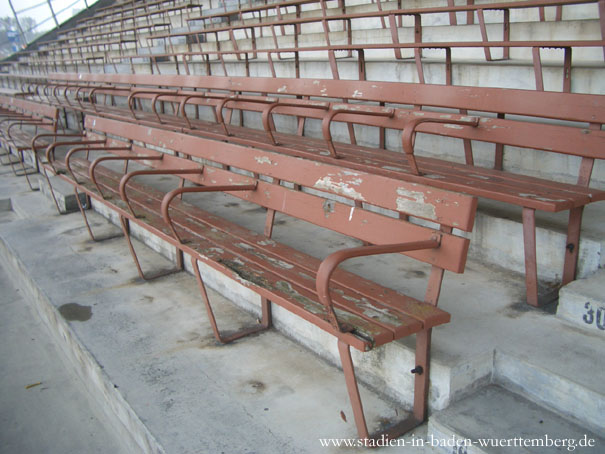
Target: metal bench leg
pixel 265 322
pixel 421 388
pixel 531 267
pixel 572 247
pixel 179 255
pixel 52 191
pixel 83 211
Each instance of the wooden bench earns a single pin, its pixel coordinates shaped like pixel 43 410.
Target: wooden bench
pixel 521 121
pixel 358 312
pixel 20 122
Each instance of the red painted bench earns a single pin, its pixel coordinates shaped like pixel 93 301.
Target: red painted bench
pixel 358 312
pixel 521 121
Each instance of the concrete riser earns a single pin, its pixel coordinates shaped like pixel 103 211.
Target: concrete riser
pixel 579 404
pixel 582 303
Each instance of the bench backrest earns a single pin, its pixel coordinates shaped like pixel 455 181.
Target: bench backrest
pixel 567 123
pixel 587 108
pixel 33 109
pixel 327 193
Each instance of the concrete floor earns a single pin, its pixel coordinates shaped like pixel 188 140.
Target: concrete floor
pixel 44 406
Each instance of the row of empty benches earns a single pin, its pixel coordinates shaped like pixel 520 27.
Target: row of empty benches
pixel 216 38
pixel 298 147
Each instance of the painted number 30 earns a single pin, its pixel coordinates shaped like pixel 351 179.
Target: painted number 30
pixel 596 316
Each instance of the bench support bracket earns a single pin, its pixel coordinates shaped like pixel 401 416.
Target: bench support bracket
pixel 421 387
pixel 265 322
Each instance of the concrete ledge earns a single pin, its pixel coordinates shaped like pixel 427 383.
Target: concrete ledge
pixel 491 420
pixel 126 424
pixel 64 193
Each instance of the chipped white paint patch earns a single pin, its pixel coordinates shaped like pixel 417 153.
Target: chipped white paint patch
pixel 282 89
pixel 339 187
pixel 316 82
pixel 263 160
pixel 413 202
pixel 542 199
pixel 217 249
pixel 453 126
pixel 266 243
pixel 357 94
pixel 349 173
pixel 351 213
pixel 278 263
pixel 400 169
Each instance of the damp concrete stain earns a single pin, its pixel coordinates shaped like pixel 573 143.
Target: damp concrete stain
pixel 73 312
pixel 254 387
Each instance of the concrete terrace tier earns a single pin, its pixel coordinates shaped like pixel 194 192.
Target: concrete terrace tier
pixel 155 366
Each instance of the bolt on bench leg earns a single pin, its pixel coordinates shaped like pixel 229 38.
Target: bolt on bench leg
pixel 572 246
pixel 421 387
pixel 265 322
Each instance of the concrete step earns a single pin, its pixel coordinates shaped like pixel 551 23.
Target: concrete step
pixel 494 420
pixel 497 221
pixel 45 406
pixel 63 193
pixel 369 31
pixel 582 303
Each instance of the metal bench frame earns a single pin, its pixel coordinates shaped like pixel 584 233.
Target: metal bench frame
pixel 437 246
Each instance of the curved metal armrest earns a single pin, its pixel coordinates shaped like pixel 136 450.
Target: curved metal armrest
pixel 128 176
pixel 408 136
pixel 169 197
pixel 40 136
pixel 67 88
pixel 99 160
pixel 133 94
pixel 329 264
pixel 17 119
pixel 327 120
pixel 40 122
pixel 189 96
pixel 161 95
pixel 221 105
pixel 50 150
pixel 72 151
pixel 266 116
